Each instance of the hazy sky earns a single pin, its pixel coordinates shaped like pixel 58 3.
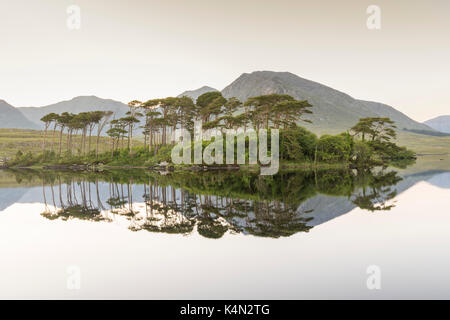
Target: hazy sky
pixel 140 49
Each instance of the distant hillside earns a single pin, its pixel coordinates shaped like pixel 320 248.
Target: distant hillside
pixel 403 121
pixel 333 111
pixel 76 105
pixel 194 94
pixel 441 123
pixel 10 117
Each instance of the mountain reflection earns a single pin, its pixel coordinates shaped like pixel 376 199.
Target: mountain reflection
pixel 213 203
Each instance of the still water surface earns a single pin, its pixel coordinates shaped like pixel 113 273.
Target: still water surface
pixel 296 235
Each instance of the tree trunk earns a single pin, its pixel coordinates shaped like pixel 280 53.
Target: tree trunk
pixel 60 140
pixel 53 136
pixel 151 140
pixel 90 136
pixel 112 148
pixel 45 137
pixel 163 142
pixel 145 142
pixel 131 139
pixel 83 140
pixel 68 139
pixel 97 143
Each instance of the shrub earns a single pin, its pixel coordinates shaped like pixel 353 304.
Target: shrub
pixel 390 151
pixel 362 153
pixel 334 148
pixel 297 144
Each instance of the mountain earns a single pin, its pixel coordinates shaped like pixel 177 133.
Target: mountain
pixel 333 111
pixel 76 105
pixel 387 111
pixel 194 94
pixel 441 124
pixel 10 117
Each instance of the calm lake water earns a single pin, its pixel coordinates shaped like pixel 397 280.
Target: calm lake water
pixel 143 235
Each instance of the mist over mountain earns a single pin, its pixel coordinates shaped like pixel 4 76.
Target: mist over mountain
pixel 333 111
pixel 10 117
pixel 194 94
pixel 441 124
pixel 75 105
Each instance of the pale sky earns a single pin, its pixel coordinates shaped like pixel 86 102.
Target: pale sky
pixel 138 49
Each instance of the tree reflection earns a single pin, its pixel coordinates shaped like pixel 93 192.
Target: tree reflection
pixel 376 191
pixel 210 204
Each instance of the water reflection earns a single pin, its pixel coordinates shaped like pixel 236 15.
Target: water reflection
pixel 212 204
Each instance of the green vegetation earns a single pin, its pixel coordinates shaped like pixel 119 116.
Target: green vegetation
pixel 368 143
pixel 13 140
pixel 424 144
pixel 83 122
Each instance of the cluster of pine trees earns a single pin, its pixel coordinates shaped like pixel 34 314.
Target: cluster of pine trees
pixel 161 117
pixel 73 124
pixel 157 119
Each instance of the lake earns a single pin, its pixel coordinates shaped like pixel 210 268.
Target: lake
pixel 139 234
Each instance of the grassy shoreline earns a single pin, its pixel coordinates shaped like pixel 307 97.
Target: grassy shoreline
pixel 298 149
pixel 247 167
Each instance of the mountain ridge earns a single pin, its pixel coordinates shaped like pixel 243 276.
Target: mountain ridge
pixel 333 111
pixel 11 118
pixel 75 105
pixel 441 123
pixel 194 94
